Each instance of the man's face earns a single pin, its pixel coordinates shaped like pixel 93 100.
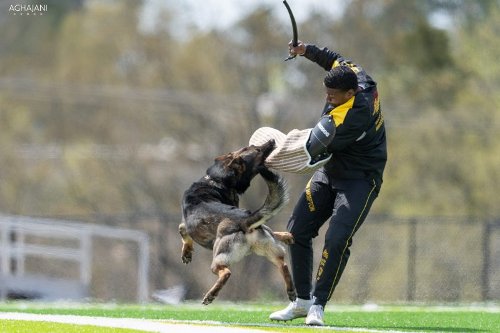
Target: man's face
pixel 338 97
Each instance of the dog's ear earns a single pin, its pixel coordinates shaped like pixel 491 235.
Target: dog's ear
pixel 231 163
pixel 223 170
pixel 237 165
pixel 223 158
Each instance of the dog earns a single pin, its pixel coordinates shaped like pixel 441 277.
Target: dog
pixel 211 217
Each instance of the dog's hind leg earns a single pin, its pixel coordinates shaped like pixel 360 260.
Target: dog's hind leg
pixel 228 250
pixel 223 273
pixel 287 277
pixel 187 244
pixel 275 252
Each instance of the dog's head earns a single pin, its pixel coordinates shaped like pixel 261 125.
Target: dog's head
pixel 237 169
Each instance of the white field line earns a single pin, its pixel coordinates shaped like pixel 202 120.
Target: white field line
pixel 130 323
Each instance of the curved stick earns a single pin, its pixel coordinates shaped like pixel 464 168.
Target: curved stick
pixel 295 38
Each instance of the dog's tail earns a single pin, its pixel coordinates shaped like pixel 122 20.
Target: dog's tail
pixel 277 198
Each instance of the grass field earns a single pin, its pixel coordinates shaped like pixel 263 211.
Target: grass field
pixel 463 319
pixel 16 326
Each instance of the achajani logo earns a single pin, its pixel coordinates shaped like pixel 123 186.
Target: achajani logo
pixel 27 9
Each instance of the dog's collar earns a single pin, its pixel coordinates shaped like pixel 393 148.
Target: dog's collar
pixel 212 182
pixel 230 193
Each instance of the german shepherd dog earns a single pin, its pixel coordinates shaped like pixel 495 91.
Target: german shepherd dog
pixel 211 217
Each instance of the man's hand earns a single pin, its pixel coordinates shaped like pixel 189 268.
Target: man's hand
pixel 300 49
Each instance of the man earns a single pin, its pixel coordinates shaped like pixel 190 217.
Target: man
pixel 344 189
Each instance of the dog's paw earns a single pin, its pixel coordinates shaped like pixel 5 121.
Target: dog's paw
pixel 284 237
pixel 208 299
pixel 187 252
pixel 187 257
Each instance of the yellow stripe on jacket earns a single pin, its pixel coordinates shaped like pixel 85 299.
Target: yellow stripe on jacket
pixel 340 112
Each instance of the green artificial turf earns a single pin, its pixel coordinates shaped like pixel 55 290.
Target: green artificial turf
pixel 24 326
pixel 460 319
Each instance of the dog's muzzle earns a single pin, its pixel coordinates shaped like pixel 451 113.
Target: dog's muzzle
pixel 267 148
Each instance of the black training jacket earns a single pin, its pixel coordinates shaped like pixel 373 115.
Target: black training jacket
pixel 359 147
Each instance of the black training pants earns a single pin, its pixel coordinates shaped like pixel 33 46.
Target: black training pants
pixel 347 201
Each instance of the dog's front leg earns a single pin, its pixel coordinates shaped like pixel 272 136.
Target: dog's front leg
pixel 223 273
pixel 187 244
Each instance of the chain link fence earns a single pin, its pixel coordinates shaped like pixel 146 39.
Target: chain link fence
pixel 423 259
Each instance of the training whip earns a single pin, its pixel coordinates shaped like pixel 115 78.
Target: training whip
pixel 295 39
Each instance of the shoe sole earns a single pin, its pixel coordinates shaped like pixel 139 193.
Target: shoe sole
pixel 273 319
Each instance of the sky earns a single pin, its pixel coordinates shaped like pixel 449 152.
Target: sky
pixel 221 14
